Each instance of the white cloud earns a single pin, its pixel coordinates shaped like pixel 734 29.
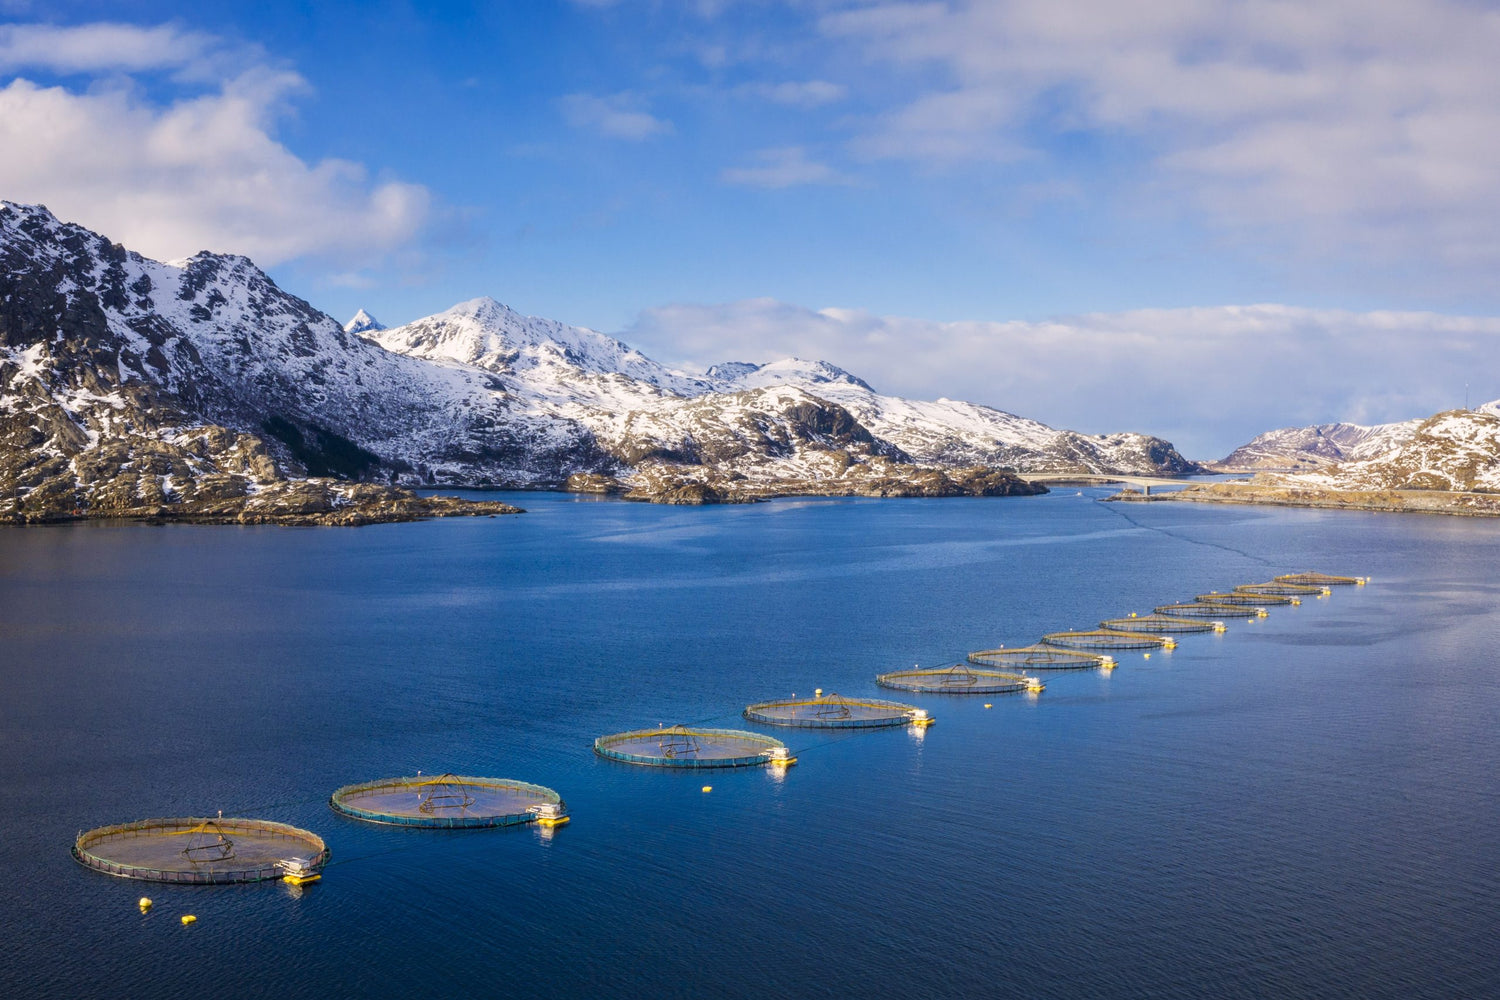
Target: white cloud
pixel 782 168
pixel 1207 379
pixel 797 93
pixel 1372 125
pixel 203 172
pixel 105 47
pixel 619 116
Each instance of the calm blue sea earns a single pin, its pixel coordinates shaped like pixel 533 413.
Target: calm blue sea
pixel 1305 806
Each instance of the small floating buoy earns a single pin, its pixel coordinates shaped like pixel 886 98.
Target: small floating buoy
pixel 144 904
pixel 707 789
pixel 818 693
pixel 988 705
pixel 188 918
pixel 1148 656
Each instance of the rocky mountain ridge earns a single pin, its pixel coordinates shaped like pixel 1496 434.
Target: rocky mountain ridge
pixel 1446 463
pixel 131 385
pixel 1304 449
pixel 1457 451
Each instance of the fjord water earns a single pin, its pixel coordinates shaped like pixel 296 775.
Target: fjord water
pixel 1303 806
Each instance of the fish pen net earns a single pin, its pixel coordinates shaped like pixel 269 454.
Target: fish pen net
pixel 1161 623
pixel 1320 579
pixel 1105 638
pixel 199 851
pixel 449 801
pixel 1040 658
pixel 683 746
pixel 1282 589
pixel 833 711
pixel 959 679
pixel 1199 609
pixel 1237 597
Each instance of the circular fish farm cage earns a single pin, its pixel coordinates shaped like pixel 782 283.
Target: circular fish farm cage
pixel 834 711
pixel 200 851
pixel 1215 610
pixel 1282 589
pixel 685 746
pixel 1041 658
pixel 1237 597
pixel 1321 580
pixel 1106 638
pixel 449 802
pixel 959 679
pixel 1161 623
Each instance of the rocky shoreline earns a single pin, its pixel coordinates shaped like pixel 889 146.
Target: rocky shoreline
pixel 293 503
pixel 697 485
pixel 1393 501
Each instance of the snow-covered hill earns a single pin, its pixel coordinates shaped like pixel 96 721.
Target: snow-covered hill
pixel 1448 463
pixel 1456 451
pixel 1301 449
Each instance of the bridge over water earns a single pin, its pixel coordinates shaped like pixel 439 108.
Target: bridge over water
pixel 1088 479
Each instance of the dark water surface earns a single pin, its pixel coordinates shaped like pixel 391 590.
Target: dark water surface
pixel 1305 806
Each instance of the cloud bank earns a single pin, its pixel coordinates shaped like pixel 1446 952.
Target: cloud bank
pixel 204 172
pixel 1368 125
pixel 1207 379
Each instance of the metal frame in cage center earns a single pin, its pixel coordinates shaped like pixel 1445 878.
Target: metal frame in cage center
pixel 684 746
pixel 834 711
pixel 445 802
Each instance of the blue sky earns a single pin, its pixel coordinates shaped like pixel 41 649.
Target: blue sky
pixel 1060 209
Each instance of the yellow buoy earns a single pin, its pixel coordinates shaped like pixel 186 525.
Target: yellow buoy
pixel 988 705
pixel 188 918
pixel 1148 656
pixel 708 788
pixel 145 903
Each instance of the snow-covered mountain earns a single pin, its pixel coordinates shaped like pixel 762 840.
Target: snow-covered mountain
pixel 127 382
pixel 629 401
pixel 544 353
pixel 1456 451
pixel 1301 449
pixel 1448 463
pixel 363 322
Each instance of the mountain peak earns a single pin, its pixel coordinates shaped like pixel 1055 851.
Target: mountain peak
pixel 787 371
pixel 488 334
pixel 363 322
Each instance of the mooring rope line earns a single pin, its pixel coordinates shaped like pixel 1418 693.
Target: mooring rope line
pixel 1115 509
